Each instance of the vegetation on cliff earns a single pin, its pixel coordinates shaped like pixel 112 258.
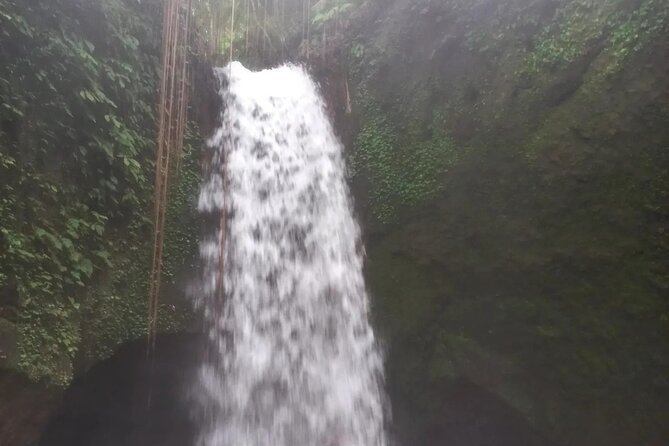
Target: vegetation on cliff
pixel 78 88
pixel 509 158
pixel 531 255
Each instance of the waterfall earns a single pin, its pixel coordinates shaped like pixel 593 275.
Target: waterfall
pixel 293 359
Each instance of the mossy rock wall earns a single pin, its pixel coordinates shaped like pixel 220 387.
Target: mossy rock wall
pixel 510 162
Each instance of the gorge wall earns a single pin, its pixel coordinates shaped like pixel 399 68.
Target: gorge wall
pixel 510 166
pixel 509 161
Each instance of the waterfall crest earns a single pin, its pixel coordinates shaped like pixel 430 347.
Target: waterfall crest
pixel 294 360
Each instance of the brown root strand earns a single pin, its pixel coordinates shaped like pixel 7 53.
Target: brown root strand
pixel 172 119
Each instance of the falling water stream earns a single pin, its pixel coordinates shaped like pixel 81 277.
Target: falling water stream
pixel 294 360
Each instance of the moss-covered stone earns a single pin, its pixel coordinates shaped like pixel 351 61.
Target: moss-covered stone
pixel 533 259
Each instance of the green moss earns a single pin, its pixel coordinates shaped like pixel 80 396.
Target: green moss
pixel 568 38
pixel 581 25
pixel 405 292
pixel 405 170
pixel 633 31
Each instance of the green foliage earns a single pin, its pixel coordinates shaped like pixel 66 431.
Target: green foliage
pixel 635 30
pixel 566 39
pixel 76 105
pixel 266 32
pixel 328 12
pixel 580 25
pixel 403 171
pixel 181 239
pixel 118 309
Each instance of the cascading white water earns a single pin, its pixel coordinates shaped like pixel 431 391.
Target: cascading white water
pixel 294 360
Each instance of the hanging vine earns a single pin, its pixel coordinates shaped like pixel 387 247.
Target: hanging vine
pixel 261 25
pixel 172 116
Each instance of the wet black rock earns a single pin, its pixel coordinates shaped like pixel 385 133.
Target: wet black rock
pixel 131 399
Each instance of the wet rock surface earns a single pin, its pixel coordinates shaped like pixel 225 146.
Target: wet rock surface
pixel 109 407
pixel 131 399
pixel 25 408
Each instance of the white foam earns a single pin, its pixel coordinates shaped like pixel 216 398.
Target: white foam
pixel 296 362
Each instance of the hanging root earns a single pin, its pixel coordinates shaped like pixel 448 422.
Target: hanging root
pixel 172 115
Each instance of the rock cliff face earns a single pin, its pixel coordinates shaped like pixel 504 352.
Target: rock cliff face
pixel 131 400
pixel 510 161
pixel 510 164
pixel 128 399
pixel 25 408
pixel 109 406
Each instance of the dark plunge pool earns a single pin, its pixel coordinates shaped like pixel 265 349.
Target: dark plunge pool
pixel 130 400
